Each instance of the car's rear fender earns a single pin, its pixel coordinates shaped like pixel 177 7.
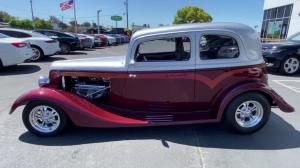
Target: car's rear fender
pixel 79 110
pixel 259 87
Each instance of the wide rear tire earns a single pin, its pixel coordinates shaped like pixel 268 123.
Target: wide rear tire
pixel 248 113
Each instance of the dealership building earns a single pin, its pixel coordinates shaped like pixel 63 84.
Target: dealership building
pixel 281 19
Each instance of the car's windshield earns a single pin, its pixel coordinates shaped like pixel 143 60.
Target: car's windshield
pixel 295 37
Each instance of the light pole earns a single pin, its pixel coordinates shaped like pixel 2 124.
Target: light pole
pixel 75 19
pixel 126 4
pixel 98 12
pixel 32 16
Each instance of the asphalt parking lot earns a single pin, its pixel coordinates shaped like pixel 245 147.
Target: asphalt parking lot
pixel 194 146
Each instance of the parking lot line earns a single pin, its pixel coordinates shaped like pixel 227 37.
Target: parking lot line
pixel 281 82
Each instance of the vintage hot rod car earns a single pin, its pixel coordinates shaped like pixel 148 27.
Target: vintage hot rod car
pixel 198 73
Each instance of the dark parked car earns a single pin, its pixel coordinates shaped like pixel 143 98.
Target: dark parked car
pixel 284 55
pixel 67 42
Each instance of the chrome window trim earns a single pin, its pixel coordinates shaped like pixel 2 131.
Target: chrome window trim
pixel 161 65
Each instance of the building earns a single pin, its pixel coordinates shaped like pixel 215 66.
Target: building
pixel 281 19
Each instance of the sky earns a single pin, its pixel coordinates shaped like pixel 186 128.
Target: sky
pixel 153 12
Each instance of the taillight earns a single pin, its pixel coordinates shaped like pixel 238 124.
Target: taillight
pixel 51 41
pixel 19 44
pixel 54 78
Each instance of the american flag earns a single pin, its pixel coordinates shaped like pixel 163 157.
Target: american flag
pixel 66 5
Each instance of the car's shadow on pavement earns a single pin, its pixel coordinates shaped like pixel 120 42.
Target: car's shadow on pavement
pixel 74 53
pixel 278 134
pixel 52 59
pixel 19 70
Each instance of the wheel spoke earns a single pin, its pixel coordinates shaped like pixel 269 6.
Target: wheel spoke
pixel 249 114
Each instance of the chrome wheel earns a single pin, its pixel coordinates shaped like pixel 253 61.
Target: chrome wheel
pixel 291 65
pixel 44 119
pixel 36 54
pixel 249 114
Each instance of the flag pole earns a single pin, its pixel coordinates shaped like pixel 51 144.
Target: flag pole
pixel 32 16
pixel 76 30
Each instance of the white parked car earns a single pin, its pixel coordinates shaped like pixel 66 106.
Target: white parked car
pixel 13 51
pixel 41 45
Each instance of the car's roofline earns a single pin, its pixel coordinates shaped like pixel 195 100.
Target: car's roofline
pixel 19 30
pixel 229 26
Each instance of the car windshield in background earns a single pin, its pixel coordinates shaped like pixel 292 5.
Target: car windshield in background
pixel 36 34
pixel 295 37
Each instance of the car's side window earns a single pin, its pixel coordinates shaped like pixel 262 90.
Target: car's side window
pixel 164 49
pixel 9 33
pixel 63 35
pixel 213 46
pixel 17 34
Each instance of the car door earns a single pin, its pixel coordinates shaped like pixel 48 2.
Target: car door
pixel 161 74
pixel 218 66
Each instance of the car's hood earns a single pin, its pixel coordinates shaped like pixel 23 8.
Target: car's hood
pixel 279 44
pixel 105 64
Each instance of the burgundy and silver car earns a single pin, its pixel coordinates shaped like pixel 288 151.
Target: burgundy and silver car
pixel 186 74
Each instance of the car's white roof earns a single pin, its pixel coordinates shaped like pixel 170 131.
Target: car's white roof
pixel 227 26
pixel 24 31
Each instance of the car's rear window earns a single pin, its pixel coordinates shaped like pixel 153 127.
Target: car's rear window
pixel 218 47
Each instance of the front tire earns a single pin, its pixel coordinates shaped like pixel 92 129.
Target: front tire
pixel 290 65
pixel 248 113
pixel 44 119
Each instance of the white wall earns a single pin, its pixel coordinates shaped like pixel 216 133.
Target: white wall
pixel 295 18
pixel 276 3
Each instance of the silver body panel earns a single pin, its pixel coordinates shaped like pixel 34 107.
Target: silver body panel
pixel 247 38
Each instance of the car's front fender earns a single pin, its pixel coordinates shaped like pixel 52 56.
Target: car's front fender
pixel 253 87
pixel 80 111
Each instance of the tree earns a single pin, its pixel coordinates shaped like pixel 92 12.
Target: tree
pixel 191 14
pixel 42 24
pixel 63 26
pixel 94 25
pixel 54 19
pixel 4 16
pixel 23 24
pixel 72 23
pixel 86 24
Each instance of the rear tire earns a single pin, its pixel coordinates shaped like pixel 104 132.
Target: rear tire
pixel 38 53
pixel 44 119
pixel 290 65
pixel 248 113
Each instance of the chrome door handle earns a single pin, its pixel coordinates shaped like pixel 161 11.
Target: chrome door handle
pixel 132 76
